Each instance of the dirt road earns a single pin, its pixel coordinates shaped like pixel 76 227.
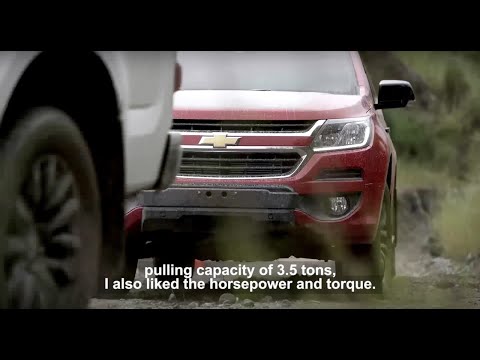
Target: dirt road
pixel 424 279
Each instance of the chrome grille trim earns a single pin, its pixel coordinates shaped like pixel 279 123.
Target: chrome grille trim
pixel 308 133
pixel 303 152
pixel 245 126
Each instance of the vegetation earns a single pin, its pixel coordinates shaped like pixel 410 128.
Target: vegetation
pixel 438 138
pixel 457 222
pixel 441 131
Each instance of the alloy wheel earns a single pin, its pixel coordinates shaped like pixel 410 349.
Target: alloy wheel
pixel 42 236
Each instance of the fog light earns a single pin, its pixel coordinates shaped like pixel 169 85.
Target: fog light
pixel 338 205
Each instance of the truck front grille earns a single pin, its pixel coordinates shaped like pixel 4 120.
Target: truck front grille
pixel 242 126
pixel 238 164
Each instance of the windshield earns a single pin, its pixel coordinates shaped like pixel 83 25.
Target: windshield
pixel 301 71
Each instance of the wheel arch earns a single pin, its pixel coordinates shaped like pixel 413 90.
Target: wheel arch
pixel 80 84
pixel 391 175
pixel 392 185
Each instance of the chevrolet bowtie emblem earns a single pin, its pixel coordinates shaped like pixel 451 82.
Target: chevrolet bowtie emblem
pixel 219 140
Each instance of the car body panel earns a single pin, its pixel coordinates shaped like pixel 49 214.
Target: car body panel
pixel 359 225
pixel 144 86
pixel 362 222
pixel 265 105
pixel 144 82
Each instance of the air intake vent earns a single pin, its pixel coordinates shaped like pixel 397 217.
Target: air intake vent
pixel 340 174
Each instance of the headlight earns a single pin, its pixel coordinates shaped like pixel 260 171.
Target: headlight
pixel 343 134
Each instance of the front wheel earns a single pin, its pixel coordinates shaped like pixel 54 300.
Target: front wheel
pixel 50 229
pixel 377 259
pixel 133 245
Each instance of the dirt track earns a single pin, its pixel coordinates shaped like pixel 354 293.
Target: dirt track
pixel 424 280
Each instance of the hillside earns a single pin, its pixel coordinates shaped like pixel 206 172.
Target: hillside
pixel 438 138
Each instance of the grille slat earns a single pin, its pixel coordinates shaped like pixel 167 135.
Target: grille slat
pixel 242 125
pixel 248 160
pixel 238 164
pixel 233 168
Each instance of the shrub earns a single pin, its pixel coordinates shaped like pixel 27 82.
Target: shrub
pixel 456 86
pixel 457 221
pixel 410 134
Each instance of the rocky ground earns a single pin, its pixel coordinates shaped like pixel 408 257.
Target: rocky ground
pixel 425 279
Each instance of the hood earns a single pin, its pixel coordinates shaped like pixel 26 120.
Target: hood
pixel 266 105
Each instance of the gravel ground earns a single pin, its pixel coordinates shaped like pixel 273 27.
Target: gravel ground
pixel 421 283
pixel 424 279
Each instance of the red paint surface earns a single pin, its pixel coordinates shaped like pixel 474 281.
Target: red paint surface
pixel 360 225
pixel 133 220
pixel 271 105
pixel 373 160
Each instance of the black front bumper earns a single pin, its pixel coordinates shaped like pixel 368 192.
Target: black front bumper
pixel 266 204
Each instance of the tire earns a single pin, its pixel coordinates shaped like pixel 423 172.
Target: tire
pixel 129 270
pixel 50 233
pixel 377 260
pixel 133 245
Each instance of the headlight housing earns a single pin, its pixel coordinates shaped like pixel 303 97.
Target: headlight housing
pixel 343 134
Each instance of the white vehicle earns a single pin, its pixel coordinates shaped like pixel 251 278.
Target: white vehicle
pixel 78 133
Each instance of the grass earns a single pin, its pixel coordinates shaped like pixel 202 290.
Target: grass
pixel 458 222
pixel 439 146
pixel 414 175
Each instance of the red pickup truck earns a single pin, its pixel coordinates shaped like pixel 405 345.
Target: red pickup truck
pixel 296 144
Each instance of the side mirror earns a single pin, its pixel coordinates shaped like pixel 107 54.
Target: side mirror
pixel 394 94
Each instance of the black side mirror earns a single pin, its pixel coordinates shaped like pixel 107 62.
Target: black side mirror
pixel 394 94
